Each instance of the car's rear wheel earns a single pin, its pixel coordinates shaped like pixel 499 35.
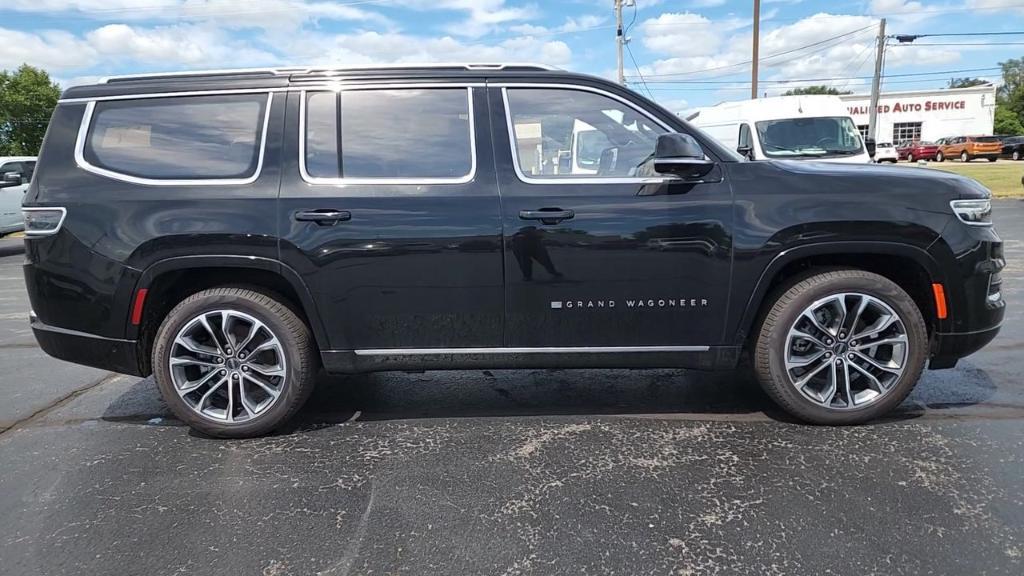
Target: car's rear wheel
pixel 234 363
pixel 840 347
pixel 992 159
pixel 964 157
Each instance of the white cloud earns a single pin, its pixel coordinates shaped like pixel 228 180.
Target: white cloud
pixel 375 47
pixel 49 49
pixel 585 22
pixel 226 13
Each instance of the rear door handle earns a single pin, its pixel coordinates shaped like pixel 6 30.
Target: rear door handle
pixel 547 215
pixel 323 216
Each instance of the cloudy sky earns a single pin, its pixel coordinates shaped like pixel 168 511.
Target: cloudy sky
pixel 690 53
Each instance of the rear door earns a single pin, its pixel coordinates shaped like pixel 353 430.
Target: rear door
pixel 609 259
pixel 390 213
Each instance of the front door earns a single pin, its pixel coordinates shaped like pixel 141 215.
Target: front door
pixel 597 252
pixel 390 213
pixel 12 195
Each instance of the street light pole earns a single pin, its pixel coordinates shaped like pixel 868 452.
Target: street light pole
pixel 619 40
pixel 876 83
pixel 757 42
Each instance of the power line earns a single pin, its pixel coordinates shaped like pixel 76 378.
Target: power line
pixel 630 52
pixel 833 78
pixel 763 58
pixel 959 44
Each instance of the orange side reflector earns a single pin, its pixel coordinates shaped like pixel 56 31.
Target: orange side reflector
pixel 140 300
pixel 940 301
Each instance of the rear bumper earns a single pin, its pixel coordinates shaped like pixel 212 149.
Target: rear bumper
pixel 87 349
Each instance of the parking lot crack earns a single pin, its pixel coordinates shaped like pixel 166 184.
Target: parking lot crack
pixel 63 400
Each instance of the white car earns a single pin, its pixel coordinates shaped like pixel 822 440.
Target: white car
pixel 15 174
pixel 886 152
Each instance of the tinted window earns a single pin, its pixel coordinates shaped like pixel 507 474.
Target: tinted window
pixel 178 138
pixel 985 139
pixel 546 121
pixel 403 133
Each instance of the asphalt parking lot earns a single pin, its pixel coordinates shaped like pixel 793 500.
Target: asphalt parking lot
pixel 530 472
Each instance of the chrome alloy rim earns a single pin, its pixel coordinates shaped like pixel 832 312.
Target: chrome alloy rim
pixel 227 366
pixel 846 351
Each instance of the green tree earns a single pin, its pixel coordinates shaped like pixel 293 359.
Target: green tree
pixel 27 98
pixel 815 90
pixel 1013 77
pixel 1007 123
pixel 967 82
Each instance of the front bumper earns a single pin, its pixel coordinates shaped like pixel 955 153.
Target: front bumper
pixel 948 349
pixel 87 349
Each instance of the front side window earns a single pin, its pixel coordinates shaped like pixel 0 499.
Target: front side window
pixel 818 137
pixel 413 134
pixel 176 138
pixel 564 133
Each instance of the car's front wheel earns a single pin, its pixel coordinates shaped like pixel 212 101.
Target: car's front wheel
pixel 964 157
pixel 840 347
pixel 939 157
pixel 1016 155
pixel 233 362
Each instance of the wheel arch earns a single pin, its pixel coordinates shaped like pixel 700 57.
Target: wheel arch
pixel 171 280
pixel 911 267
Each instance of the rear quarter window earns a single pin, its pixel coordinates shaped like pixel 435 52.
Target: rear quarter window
pixel 211 137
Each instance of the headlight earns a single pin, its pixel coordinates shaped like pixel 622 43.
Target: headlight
pixel 973 212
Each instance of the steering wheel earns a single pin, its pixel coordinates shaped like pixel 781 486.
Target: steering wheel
pixel 822 141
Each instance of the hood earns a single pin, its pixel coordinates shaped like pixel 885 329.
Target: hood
pixel 894 179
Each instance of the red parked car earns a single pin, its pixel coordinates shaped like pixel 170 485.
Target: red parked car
pixel 914 151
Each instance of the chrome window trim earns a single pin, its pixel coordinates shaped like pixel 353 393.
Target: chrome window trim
pixel 387 181
pixel 83 132
pixel 581 179
pixel 540 350
pixel 43 233
pixel 169 95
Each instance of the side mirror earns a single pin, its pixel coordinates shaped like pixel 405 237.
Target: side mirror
pixel 680 155
pixel 746 151
pixel 10 179
pixel 869 143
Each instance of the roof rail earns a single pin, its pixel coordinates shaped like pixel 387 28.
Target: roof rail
pixel 309 69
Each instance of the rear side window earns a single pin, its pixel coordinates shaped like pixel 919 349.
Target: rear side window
pixel 407 134
pixel 178 138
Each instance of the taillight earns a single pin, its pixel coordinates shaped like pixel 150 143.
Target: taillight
pixel 43 221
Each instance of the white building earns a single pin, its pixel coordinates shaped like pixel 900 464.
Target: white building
pixel 927 114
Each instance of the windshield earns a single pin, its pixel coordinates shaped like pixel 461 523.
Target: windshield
pixel 809 137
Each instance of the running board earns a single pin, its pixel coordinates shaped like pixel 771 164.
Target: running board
pixel 415 359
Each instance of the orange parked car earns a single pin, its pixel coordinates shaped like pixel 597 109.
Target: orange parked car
pixel 968 148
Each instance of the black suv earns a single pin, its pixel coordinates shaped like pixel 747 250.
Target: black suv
pixel 233 232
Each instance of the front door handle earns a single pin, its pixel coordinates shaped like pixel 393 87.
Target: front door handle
pixel 547 215
pixel 323 216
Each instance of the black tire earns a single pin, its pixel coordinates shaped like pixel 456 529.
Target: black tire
pixel 910 158
pixel 791 300
pixel 965 157
pixel 939 157
pixel 302 360
pixel 1016 155
pixel 992 159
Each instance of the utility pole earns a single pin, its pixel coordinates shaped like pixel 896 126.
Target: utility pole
pixel 619 41
pixel 757 43
pixel 876 83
